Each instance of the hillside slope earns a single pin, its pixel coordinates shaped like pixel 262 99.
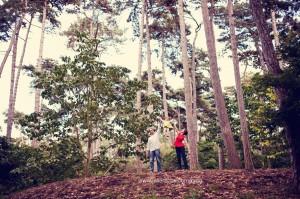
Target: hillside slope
pixel 179 184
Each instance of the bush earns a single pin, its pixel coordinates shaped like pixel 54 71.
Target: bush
pixel 23 166
pixel 207 155
pixel 101 164
pixel 170 161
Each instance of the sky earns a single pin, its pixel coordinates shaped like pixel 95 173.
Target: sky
pixel 55 47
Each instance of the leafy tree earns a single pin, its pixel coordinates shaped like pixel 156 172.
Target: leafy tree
pixel 84 93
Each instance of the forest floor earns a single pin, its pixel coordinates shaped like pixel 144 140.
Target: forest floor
pixel 208 184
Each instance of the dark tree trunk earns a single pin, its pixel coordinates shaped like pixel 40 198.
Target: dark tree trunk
pixel 292 128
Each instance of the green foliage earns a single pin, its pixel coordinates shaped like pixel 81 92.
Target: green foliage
pixel 266 137
pixel 23 166
pixel 207 155
pixel 170 161
pixel 86 93
pixel 287 83
pixel 102 164
pixel 98 100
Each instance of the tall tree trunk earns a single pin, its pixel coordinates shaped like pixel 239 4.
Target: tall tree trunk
pixel 12 40
pixel 221 157
pixel 265 38
pixel 11 43
pixel 274 27
pixel 37 107
pixel 187 91
pixel 89 151
pixel 37 104
pixel 93 31
pixel 233 157
pixel 194 86
pixel 140 54
pixel 292 127
pixel 165 103
pixel 260 56
pixel 150 86
pixel 239 90
pixel 178 116
pixel 10 120
pixel 10 112
pixel 275 33
pixel 139 78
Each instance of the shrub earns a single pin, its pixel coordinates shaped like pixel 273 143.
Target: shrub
pixel 23 166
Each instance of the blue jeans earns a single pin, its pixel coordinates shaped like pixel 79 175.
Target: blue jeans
pixel 180 153
pixel 155 154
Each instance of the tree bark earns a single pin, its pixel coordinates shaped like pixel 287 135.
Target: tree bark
pixel 139 78
pixel 37 107
pixel 178 116
pixel 89 150
pixel 12 42
pixel 275 33
pixel 261 57
pixel 221 157
pixel 140 54
pixel 292 127
pixel 165 103
pixel 233 157
pixel 193 153
pixel 10 112
pixel 274 27
pixel 37 104
pixel 194 86
pixel 149 71
pixel 265 38
pixel 239 90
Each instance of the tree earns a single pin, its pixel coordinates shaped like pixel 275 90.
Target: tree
pixel 282 95
pixel 274 69
pixel 17 20
pixel 139 73
pixel 12 100
pixel 267 138
pixel 12 82
pixel 233 157
pixel 187 91
pixel 37 102
pixel 248 43
pixel 193 80
pixel 150 87
pixel 239 89
pixel 97 99
pixel 164 93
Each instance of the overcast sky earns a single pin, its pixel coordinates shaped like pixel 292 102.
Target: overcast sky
pixel 55 47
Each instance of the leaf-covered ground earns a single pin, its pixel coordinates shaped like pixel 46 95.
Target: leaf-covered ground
pixel 213 184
